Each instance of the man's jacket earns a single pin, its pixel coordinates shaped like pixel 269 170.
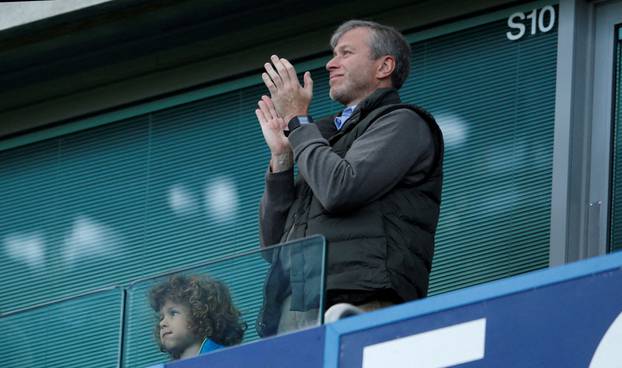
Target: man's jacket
pixel 377 210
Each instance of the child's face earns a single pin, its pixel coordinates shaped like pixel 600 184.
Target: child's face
pixel 175 334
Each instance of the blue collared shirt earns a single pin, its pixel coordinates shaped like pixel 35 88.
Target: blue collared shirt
pixel 345 115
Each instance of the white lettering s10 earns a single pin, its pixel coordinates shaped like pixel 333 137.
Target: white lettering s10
pixel 542 20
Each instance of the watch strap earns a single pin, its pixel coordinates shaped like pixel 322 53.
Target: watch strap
pixel 296 122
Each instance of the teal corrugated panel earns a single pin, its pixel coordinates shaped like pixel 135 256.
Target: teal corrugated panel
pixel 27 222
pixel 66 225
pixel 81 332
pixel 494 100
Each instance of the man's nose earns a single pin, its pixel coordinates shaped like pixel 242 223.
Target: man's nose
pixel 163 322
pixel 332 63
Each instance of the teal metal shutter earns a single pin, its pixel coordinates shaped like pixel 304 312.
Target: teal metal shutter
pixel 134 198
pixel 495 102
pixel 82 332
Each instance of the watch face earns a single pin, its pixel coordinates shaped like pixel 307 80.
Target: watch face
pixel 303 119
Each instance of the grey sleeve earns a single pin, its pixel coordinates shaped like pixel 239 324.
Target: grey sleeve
pixel 395 146
pixel 277 198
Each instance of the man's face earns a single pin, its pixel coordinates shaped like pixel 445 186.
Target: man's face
pixel 352 71
pixel 175 334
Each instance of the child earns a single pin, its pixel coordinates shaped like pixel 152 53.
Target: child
pixel 196 316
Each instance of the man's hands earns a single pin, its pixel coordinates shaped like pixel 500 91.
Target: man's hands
pixel 289 97
pixel 272 127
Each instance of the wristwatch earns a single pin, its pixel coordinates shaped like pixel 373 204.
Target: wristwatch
pixel 296 122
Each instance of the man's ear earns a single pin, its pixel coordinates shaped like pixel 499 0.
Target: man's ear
pixel 385 67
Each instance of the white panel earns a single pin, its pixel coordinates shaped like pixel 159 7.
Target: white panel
pixel 444 347
pixel 608 354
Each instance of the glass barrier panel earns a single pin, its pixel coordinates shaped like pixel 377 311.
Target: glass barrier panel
pixel 83 331
pixel 258 284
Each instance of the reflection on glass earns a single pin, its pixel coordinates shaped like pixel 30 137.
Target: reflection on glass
pixel 90 239
pixel 454 129
pixel 181 201
pixel 222 199
pixel 291 298
pixel 26 248
pixel 246 277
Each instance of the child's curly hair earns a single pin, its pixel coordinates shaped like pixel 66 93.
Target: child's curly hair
pixel 212 313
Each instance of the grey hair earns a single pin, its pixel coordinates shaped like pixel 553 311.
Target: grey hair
pixel 384 40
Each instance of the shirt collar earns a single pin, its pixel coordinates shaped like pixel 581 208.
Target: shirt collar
pixel 345 115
